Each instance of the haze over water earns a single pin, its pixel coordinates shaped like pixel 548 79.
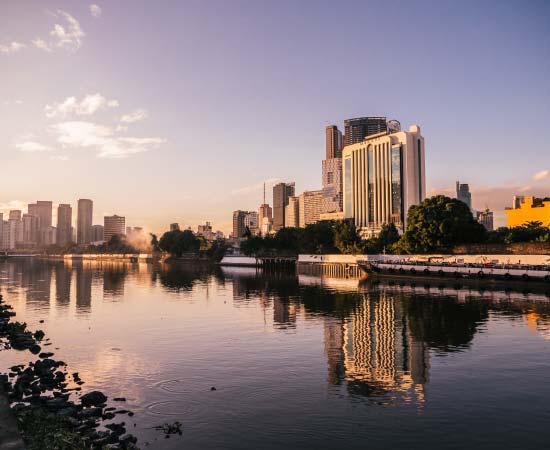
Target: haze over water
pixel 295 364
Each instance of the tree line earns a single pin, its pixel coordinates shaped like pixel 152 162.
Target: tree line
pixel 436 225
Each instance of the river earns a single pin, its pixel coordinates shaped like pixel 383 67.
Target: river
pixel 297 362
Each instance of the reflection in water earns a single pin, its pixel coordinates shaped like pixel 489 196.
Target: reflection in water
pixel 275 343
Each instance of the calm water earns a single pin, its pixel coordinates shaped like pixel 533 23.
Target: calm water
pixel 296 363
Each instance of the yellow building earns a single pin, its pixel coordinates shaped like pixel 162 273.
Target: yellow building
pixel 529 209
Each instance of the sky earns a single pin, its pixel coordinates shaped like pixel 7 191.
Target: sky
pixel 178 111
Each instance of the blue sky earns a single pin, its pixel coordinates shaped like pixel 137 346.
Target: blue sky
pixel 178 110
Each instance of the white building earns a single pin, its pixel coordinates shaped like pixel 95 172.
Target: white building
pixel 383 176
pixel 310 207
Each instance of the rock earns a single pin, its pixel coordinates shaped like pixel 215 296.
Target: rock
pixel 212 388
pixel 35 349
pixel 45 355
pixel 93 398
pixel 119 399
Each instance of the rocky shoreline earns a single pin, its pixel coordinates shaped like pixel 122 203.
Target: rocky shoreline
pixel 49 413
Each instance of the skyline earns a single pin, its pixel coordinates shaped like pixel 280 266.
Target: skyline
pixel 227 98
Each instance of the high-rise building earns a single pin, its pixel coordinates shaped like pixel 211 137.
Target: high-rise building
pixel 64 223
pixel 49 236
pixel 357 129
pixel 332 186
pixel 113 226
pixel 463 194
pixel 1 230
pixel 310 207
pixel 174 226
pixel 239 227
pixel 84 221
pixel 251 222
pixel 97 233
pixel 485 218
pixel 334 142
pixel 15 215
pixel 43 210
pixel 30 230
pixel 206 231
pixel 292 212
pixel 383 176
pixel 281 193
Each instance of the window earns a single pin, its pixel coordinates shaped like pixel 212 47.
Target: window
pixel 330 177
pixel 370 178
pixel 396 182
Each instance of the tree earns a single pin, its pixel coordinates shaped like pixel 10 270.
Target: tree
pixel 346 239
pixel 154 242
pixel 438 224
pixel 177 242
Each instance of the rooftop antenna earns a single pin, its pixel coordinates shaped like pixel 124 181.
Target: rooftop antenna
pixel 264 192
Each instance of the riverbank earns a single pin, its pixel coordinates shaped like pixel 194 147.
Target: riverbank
pixel 46 399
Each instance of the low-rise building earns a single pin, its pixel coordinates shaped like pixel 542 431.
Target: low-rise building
pixel 528 209
pixel 113 225
pixel 485 218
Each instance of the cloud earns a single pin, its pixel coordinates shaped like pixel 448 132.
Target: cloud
pixel 12 205
pixel 90 104
pixel 134 116
pixel 31 147
pixel 255 187
pixel 69 35
pixel 60 157
pixel 542 175
pixel 102 139
pixel 12 47
pixel 41 44
pixel 95 11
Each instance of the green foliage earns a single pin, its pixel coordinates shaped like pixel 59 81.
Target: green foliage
pixel 346 238
pixel 217 250
pixel 178 242
pixel 438 224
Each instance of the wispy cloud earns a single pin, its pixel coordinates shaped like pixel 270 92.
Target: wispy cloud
pixel 31 147
pixel 11 47
pixel 542 175
pixel 89 105
pixel 67 34
pixel 95 11
pixel 134 116
pixel 102 139
pixel 255 187
pixel 6 207
pixel 60 157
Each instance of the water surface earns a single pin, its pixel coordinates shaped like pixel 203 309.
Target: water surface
pixel 297 362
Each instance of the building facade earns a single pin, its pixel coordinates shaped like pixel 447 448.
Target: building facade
pixel 332 186
pixel 84 221
pixel 530 209
pixel 239 227
pixel 334 142
pixel 30 230
pixel 113 226
pixel 310 207
pixel 281 193
pixel 64 224
pixel 485 218
pixel 383 176
pixel 97 233
pixel 463 194
pixel 251 222
pixel 292 212
pixel 357 129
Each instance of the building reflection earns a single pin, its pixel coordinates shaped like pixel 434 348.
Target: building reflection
pixel 113 281
pixel 374 352
pixel 83 288
pixel 62 286
pixel 37 284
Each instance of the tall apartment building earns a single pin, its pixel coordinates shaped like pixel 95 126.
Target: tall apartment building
pixel 383 176
pixel 113 225
pixel 49 236
pixel 357 129
pixel 30 230
pixel 1 230
pixel 463 194
pixel 239 228
pixel 43 210
pixel 292 212
pixel 84 221
pixel 15 215
pixel 334 142
pixel 97 233
pixel 485 218
pixel 64 224
pixel 251 222
pixel 310 207
pixel 332 186
pixel 281 193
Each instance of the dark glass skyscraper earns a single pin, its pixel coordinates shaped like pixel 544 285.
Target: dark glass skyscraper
pixel 281 192
pixel 357 129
